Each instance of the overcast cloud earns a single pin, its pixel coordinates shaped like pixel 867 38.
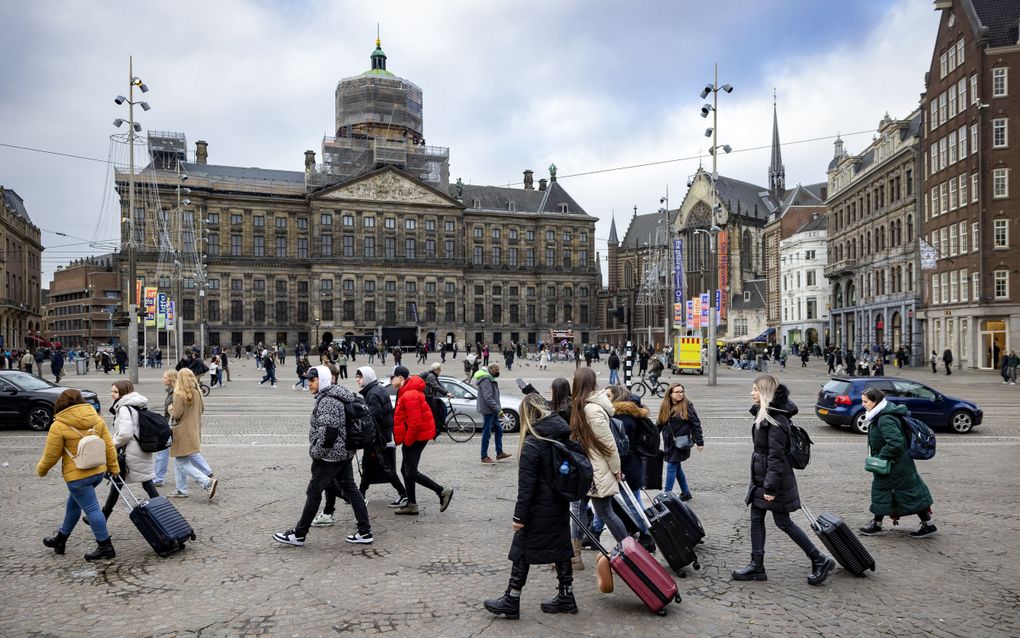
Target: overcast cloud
pixel 507 86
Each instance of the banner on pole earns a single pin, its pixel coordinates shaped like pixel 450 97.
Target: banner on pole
pixel 161 311
pixel 705 308
pixel 724 271
pixel 697 313
pixel 678 271
pixel 718 306
pixel 170 314
pixel 690 313
pixel 928 255
pixel 150 306
pixel 678 315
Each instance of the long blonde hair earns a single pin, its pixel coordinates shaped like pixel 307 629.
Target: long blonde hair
pixel 186 385
pixel 533 408
pixel 766 386
pixel 670 409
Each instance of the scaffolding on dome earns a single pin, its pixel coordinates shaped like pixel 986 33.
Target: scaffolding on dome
pixel 344 158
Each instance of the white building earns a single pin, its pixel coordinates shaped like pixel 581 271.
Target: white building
pixel 805 291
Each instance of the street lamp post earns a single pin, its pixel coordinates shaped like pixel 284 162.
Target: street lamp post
pixel 133 127
pixel 718 215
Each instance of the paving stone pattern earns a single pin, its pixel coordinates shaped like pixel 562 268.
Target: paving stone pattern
pixel 427 576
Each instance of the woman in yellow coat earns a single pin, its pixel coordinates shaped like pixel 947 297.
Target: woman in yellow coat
pixel 74 419
pixel 186 414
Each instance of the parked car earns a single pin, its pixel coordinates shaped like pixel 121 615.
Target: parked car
pixel 26 399
pixel 839 403
pixel 464 400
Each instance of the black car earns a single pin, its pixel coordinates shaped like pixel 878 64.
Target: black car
pixel 26 399
pixel 839 403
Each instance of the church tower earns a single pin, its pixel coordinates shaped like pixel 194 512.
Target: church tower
pixel 777 173
pixel 613 256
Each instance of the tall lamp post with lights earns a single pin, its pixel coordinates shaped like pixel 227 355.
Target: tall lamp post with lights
pixel 133 128
pixel 719 215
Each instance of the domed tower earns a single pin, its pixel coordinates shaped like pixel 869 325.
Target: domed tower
pixel 379 105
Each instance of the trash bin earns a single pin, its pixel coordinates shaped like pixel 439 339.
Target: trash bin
pixel 79 366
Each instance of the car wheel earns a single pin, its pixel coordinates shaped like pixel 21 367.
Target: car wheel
pixel 961 421
pixel 860 423
pixel 39 417
pixel 509 421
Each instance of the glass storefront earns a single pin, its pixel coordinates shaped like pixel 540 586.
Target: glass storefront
pixel 992 343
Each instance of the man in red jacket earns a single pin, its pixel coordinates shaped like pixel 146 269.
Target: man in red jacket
pixel 413 428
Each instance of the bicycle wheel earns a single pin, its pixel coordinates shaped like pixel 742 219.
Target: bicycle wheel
pixel 661 389
pixel 638 388
pixel 205 389
pixel 460 427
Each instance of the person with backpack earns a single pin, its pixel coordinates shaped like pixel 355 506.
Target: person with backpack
pixel 80 440
pixel 614 367
pixel 302 368
pixel 540 522
pixel 140 465
pixel 681 430
pixel 186 424
pixel 413 428
pixel 57 365
pixel 773 486
pixel 489 406
pixel 270 367
pixel 947 359
pixel 590 412
pixel 901 491
pixel 385 454
pixel 631 415
pixel 435 394
pixel 331 460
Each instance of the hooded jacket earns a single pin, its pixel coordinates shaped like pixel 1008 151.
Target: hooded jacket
pixel 488 393
pixel 141 466
pixel 771 472
pixel 633 469
pixel 327 429
pixel 546 534
pixel 901 491
pixel 378 402
pixel 412 418
pixel 69 427
pixel 597 410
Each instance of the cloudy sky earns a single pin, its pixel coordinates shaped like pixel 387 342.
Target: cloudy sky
pixel 587 84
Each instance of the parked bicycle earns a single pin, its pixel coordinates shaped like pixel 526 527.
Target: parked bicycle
pixel 641 386
pixel 460 426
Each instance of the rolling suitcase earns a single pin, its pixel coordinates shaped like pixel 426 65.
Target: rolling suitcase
pixel 671 538
pixel 653 471
pixel 841 542
pixel 686 518
pixel 639 569
pixel 158 520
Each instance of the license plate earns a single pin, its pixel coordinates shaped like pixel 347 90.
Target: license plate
pixel 821 411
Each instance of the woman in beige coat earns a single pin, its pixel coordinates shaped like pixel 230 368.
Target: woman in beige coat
pixel 186 412
pixel 590 412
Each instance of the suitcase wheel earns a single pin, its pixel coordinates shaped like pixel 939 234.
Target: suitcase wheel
pixel 677 598
pixel 661 612
pixel 681 573
pixel 697 565
pixel 193 537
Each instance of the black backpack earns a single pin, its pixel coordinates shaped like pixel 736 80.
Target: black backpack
pixel 620 436
pixel 645 440
pixel 153 431
pixel 572 473
pixel 798 447
pixel 360 424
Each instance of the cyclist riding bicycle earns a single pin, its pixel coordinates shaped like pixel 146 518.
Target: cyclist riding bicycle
pixel 655 369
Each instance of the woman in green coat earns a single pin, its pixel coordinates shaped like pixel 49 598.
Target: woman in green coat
pixel 901 492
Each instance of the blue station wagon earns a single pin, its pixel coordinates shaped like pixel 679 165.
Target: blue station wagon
pixel 839 403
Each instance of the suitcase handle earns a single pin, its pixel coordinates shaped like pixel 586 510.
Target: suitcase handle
pixel 587 532
pixel 811 519
pixel 125 493
pixel 631 504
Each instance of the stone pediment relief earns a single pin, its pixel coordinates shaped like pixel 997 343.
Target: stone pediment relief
pixel 387 187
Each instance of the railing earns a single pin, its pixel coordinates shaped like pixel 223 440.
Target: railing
pixel 844 267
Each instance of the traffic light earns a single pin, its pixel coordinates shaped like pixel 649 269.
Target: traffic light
pixel 620 314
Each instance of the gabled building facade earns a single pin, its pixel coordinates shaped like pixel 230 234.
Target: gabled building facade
pixel 805 291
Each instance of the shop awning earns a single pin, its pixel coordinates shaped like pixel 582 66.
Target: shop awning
pixel 763 337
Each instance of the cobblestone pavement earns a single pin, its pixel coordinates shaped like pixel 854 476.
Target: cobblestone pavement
pixel 426 576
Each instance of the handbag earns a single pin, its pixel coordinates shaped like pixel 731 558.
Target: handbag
pixel 877 465
pixel 683 442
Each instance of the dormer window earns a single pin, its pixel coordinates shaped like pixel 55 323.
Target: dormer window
pixel 747 296
pixel 563 208
pixel 477 203
pixel 512 207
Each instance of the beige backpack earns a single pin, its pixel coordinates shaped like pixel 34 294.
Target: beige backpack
pixel 91 451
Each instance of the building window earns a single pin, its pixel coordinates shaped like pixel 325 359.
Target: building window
pixel 411 286
pixel 348 245
pixel 568 259
pixel 369 311
pixel 1001 279
pixel 963 238
pixel 281 287
pixel 479 312
pixel 302 287
pixel 302 247
pixel 451 312
pixel 347 220
pixel 281 223
pixel 348 285
pixel 370 247
pixel 326 310
pixel 975 286
pixel 369 285
pixel 235 245
pixel 430 225
pixel 348 310
pixel 390 285
pixel 281 312
pixel 430 248
pixel 409 248
pixel 326 285
pixel 259 311
pixel 368 222
pixel 450 287
pixel 390 223
pixel 974 237
pixel 497 256
pixel 962 134
pixel 974 188
pixel 390 247
pixel 999 133
pixel 214 243
pixel 449 226
pixel 281 246
pixel 550 258
pixel 563 208
pixel 1000 233
pixel 259 246
pixel 529 258
pixel 964 280
pixel 327 246
pixel 478 257
pixel 302 223
pixel 410 224
pixel 478 232
pixel 257 284
pixel 530 235
pixel 1000 183
pixel 496 233
pixel 943 65
pixel 302 311
pixel 391 312
pixel 1000 82
pixel 953 245
pixel 237 311
pixel 963 190
pixel 258 221
pixel 954 287
pixel 448 248
pixel 326 219
pixel 236 219
pixel 511 257
pixel 497 313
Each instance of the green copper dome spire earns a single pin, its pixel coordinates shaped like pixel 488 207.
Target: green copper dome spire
pixel 378 58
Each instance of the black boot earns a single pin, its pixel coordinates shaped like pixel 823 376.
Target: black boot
pixel 57 542
pixel 563 602
pixel 755 570
pixel 820 568
pixel 103 551
pixel 507 605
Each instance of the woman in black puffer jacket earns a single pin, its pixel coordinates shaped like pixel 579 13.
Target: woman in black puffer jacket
pixel 773 485
pixel 541 524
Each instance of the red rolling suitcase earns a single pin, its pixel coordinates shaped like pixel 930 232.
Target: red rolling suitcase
pixel 639 569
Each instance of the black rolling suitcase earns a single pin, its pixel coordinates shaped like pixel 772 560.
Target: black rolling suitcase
pixel 653 471
pixel 158 520
pixel 842 543
pixel 670 538
pixel 686 518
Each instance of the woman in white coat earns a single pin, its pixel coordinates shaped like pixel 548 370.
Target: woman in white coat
pixel 140 466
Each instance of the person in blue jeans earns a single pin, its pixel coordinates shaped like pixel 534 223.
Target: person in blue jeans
pixel 681 430
pixel 162 458
pixel 614 367
pixel 73 421
pixel 489 407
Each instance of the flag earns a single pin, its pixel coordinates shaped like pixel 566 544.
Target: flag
pixel 928 256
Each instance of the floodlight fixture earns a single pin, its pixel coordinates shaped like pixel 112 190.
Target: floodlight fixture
pixel 120 99
pixel 727 88
pixel 145 106
pixel 118 122
pixel 705 110
pixel 708 132
pixel 705 91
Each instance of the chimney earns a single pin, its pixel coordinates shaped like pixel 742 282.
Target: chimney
pixel 309 161
pixel 201 152
pixel 541 184
pixel 529 180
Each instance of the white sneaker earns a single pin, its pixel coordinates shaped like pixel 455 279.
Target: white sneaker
pixel 323 520
pixel 360 539
pixel 400 501
pixel 289 538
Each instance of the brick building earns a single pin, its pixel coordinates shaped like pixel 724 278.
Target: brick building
pixel 970 150
pixel 83 297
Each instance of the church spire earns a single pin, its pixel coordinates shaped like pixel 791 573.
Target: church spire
pixel 378 57
pixel 777 173
pixel 614 239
